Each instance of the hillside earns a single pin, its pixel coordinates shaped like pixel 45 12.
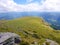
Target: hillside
pixel 51 17
pixel 31 29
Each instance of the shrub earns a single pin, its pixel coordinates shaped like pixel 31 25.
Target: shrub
pixel 24 43
pixel 35 36
pixel 47 43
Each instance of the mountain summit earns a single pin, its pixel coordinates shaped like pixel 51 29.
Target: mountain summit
pixel 31 29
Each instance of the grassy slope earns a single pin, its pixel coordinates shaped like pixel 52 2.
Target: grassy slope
pixel 30 29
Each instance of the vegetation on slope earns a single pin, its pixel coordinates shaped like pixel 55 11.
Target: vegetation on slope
pixel 31 29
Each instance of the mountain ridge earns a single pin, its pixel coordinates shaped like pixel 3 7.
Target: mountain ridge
pixel 51 17
pixel 30 29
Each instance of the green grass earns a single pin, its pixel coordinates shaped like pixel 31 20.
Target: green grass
pixel 30 29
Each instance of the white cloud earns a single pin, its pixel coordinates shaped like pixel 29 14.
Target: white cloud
pixel 48 5
pixel 52 5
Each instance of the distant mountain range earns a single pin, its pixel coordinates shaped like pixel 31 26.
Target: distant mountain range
pixel 51 17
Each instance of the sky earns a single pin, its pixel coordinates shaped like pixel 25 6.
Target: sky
pixel 29 5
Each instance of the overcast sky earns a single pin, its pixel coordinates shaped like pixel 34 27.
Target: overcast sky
pixel 29 5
